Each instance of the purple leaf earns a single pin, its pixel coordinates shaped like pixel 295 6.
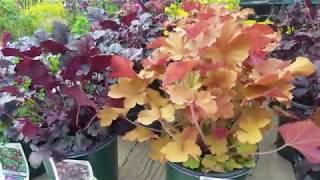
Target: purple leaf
pixel 11 89
pixel 37 71
pixel 99 63
pixel 108 24
pixel 29 129
pixel 53 47
pixel 126 20
pixel 31 53
pixel 80 96
pixel 11 52
pixel 73 66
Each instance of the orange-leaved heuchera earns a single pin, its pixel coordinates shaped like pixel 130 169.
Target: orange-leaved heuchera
pixel 205 90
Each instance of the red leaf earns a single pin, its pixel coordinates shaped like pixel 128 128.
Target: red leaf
pixel 53 47
pixel 11 89
pixel 220 133
pixel 99 63
pixel 126 20
pixel 158 42
pixel 108 24
pixel 121 67
pixel 11 52
pixel 190 5
pixel 303 136
pixel 196 28
pixel 29 129
pixel 73 66
pixel 256 57
pixel 177 70
pixel 205 67
pixel 37 71
pixel 80 96
pixel 116 103
pixel 31 53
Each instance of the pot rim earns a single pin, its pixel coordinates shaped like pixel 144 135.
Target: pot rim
pixel 111 138
pixel 302 106
pixel 231 174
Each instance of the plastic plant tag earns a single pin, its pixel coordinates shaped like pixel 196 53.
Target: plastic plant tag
pixel 69 170
pixel 13 162
pixel 212 178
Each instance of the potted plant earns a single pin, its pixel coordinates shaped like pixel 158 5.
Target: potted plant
pixel 205 92
pixel 84 65
pixel 300 36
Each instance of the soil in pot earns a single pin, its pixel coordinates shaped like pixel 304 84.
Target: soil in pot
pixel 176 171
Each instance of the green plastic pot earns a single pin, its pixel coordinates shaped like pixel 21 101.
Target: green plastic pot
pixel 104 160
pixel 176 171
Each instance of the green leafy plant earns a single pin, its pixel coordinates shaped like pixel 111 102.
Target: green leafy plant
pixel 44 13
pixel 11 20
pixel 80 26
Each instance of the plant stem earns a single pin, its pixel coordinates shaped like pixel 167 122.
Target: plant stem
pixel 133 123
pixel 77 118
pixel 195 121
pixel 167 130
pixel 88 125
pixel 272 151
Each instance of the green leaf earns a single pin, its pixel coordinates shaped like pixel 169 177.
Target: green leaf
pixel 192 163
pixel 245 148
pixel 22 111
pixel 249 163
pixel 231 164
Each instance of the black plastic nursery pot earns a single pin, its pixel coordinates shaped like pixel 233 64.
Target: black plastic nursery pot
pixel 33 172
pixel 104 160
pixel 176 171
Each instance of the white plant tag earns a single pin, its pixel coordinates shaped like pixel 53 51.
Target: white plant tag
pixel 211 178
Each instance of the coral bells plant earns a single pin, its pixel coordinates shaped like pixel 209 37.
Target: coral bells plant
pixel 205 89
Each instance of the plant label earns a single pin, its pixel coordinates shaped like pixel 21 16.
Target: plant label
pixel 212 178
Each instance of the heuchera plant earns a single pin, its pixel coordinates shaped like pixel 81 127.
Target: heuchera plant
pixel 300 36
pixel 55 91
pixel 205 91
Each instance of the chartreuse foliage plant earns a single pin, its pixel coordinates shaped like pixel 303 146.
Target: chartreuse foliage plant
pixel 205 91
pixel 11 20
pixel 176 10
pixel 44 13
pixel 80 25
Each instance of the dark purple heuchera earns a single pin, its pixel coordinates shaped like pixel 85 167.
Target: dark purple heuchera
pixel 56 111
pixel 301 37
pixel 61 107
pixel 128 32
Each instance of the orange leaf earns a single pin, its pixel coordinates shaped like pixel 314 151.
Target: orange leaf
pixel 147 117
pixel 180 94
pixel 121 67
pixel 177 70
pixel 139 134
pixel 221 78
pixel 158 42
pixel 301 67
pixel 206 102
